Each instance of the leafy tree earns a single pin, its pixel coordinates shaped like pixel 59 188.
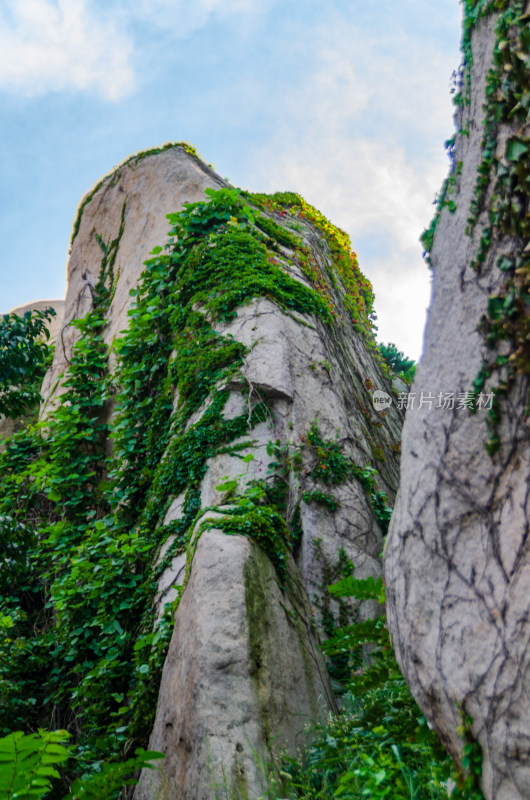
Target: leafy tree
pixel 398 361
pixel 24 358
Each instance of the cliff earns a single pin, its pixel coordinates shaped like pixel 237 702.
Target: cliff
pixel 456 562
pixel 209 460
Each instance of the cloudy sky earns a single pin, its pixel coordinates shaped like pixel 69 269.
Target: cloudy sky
pixel 346 102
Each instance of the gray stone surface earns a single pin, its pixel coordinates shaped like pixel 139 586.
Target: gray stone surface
pixel 244 671
pixel 310 375
pixel 457 560
pixel 149 187
pixel 243 675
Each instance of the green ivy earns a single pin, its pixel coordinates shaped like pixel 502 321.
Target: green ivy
pixel 82 527
pixel 333 467
pixel 379 745
pixel 28 768
pixel 501 197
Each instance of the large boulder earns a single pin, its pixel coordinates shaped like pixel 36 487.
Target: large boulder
pixel 211 441
pixel 116 225
pixel 457 559
pixel 243 675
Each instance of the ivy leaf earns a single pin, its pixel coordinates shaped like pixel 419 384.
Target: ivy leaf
pixel 516 148
pixel 505 264
pixel 228 486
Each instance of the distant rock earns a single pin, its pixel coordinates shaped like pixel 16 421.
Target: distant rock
pixel 9 426
pixel 55 323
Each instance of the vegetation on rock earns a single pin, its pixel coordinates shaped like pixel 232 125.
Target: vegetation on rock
pixel 82 528
pixel 398 362
pixel 499 209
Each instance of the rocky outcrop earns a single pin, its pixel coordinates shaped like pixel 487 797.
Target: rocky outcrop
pixel 457 558
pixel 210 456
pixel 297 475
pixel 55 323
pixel 243 675
pixel 117 224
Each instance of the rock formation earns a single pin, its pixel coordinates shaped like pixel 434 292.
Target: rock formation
pixel 107 234
pixel 210 452
pixel 458 555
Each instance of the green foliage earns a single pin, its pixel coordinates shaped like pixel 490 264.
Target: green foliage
pixel 498 214
pixel 332 466
pixel 322 498
pixel 24 357
pixel 380 745
pixel 81 527
pixel 398 362
pixel 254 516
pixel 28 763
pixel 503 191
pixel 357 291
pixel 109 781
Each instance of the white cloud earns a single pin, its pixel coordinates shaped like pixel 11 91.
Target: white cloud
pixel 179 18
pixel 49 46
pixel 52 45
pixel 402 288
pixel 338 143
pixel 373 192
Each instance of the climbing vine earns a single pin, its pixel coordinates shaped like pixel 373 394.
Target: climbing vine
pixel 503 192
pixel 498 214
pixel 357 291
pixel 334 467
pixel 83 525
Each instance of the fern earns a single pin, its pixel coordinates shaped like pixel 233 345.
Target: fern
pixel 28 766
pixel 28 763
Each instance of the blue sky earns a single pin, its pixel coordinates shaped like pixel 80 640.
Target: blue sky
pixel 345 101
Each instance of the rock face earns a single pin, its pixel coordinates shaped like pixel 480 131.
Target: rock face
pixel 238 641
pixel 117 224
pixel 457 559
pixel 235 466
pixel 244 674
